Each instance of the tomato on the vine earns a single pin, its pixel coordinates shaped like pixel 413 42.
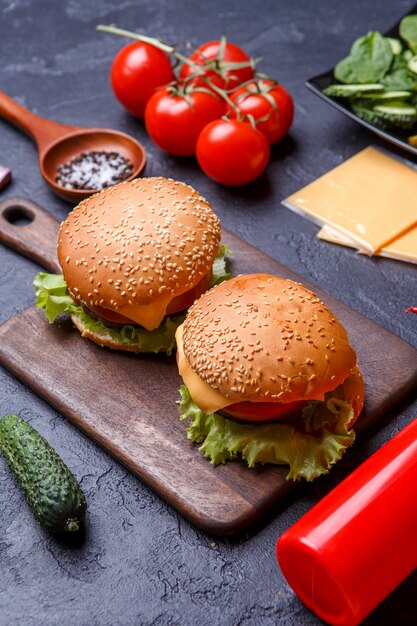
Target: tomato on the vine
pixel 137 70
pixel 175 116
pixel 232 152
pixel 269 102
pixel 224 63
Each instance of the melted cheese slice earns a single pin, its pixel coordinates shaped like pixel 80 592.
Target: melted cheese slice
pixel 371 199
pixel 402 249
pixel 149 316
pixel 206 398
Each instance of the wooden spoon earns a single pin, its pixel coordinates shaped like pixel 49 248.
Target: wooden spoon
pixel 58 144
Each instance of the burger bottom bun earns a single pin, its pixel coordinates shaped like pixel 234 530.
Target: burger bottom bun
pixel 104 339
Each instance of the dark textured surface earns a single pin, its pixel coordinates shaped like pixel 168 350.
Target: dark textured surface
pixel 139 562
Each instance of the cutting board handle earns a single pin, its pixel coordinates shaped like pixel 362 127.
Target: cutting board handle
pixel 29 229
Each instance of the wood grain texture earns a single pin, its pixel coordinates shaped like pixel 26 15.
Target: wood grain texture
pixel 36 238
pixel 127 403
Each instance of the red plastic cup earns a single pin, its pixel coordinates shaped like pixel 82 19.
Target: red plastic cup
pixel 357 544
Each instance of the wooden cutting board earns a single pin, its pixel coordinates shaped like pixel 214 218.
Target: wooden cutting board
pixel 127 403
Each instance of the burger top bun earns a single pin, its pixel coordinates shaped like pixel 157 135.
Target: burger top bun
pixel 138 244
pixel 258 337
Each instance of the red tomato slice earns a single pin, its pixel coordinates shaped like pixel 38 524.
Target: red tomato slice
pixel 110 316
pixel 262 411
pixel 185 300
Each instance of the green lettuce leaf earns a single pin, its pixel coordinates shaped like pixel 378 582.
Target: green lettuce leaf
pixel 219 272
pixel 51 292
pixel 161 339
pixel 52 296
pixel 309 445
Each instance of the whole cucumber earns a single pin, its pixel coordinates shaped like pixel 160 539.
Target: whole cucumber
pixel 52 492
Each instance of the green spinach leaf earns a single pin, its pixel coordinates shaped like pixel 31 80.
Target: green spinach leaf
pixel 408 31
pixel 369 60
pixel 400 79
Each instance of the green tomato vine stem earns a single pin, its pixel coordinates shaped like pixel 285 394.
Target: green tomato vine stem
pixel 197 68
pixel 157 43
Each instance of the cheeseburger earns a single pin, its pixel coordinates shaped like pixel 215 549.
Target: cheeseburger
pixel 269 376
pixel 133 258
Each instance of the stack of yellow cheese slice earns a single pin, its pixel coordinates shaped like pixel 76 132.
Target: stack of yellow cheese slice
pixel 368 202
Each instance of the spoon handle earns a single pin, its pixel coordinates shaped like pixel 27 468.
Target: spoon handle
pixel 43 131
pixel 30 230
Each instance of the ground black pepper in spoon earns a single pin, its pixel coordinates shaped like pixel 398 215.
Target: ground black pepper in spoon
pixel 59 143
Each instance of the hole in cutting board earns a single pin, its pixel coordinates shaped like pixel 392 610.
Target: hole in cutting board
pixel 18 216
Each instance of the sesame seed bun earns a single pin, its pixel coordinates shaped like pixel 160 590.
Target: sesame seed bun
pixel 259 338
pixel 136 246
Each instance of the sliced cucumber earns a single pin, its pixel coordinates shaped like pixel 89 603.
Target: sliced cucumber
pixel 396 108
pixel 349 91
pixel 388 95
pixel 412 64
pixel 365 111
pixel 397 113
pixel 395 44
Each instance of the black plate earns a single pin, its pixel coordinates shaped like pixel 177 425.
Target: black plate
pixel 318 83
